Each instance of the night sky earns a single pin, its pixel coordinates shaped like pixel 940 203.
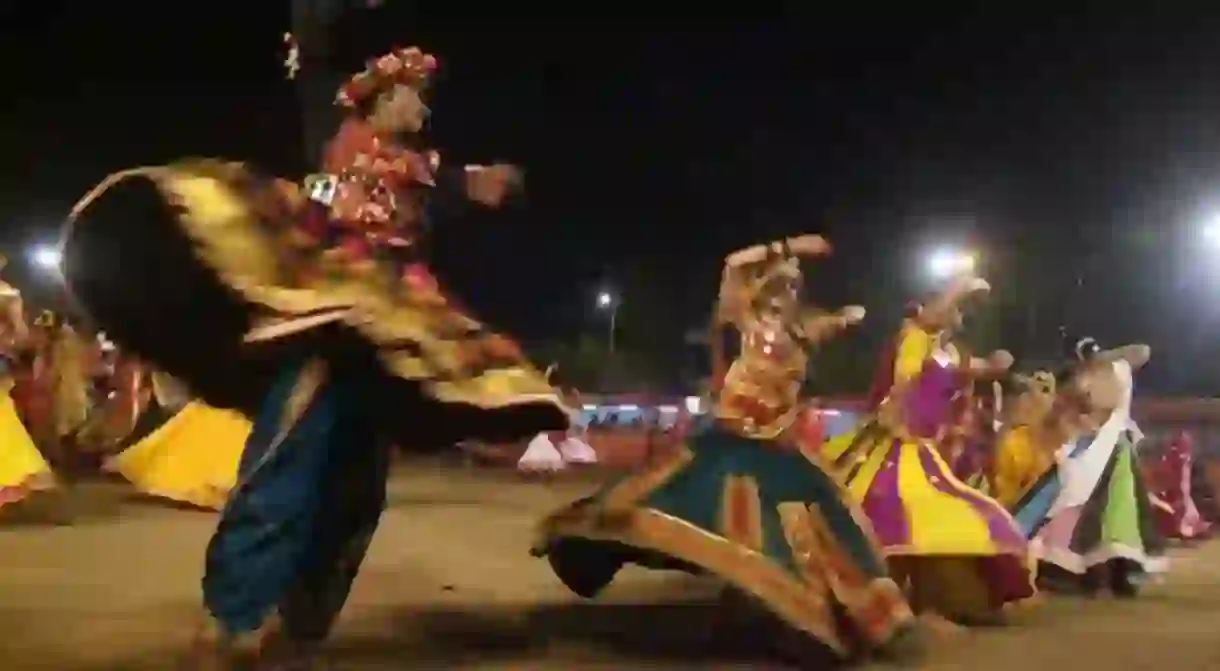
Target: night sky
pixel 1081 159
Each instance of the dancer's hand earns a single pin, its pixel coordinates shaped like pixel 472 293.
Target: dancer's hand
pixel 966 285
pixel 1000 360
pixel 853 314
pixel 809 245
pixel 489 184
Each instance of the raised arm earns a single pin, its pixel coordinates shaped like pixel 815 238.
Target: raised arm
pixel 822 326
pixel 936 312
pixel 801 245
pixel 734 296
pixel 1136 355
pixel 993 365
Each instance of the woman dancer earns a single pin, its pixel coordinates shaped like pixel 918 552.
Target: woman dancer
pixel 734 500
pixel 33 392
pixel 1027 442
pixel 1180 518
pixel 312 313
pixel 121 397
pixel 970 446
pixel 1100 527
pixel 22 467
pixel 958 550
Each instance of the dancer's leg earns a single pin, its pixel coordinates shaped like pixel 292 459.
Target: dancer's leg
pixel 347 519
pixel 264 531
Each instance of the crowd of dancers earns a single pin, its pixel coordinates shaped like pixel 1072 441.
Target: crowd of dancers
pixel 311 337
pixel 73 406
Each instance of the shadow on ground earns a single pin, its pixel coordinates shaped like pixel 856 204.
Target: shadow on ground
pixel 681 632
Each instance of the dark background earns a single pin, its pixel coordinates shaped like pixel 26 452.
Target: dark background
pixel 1081 156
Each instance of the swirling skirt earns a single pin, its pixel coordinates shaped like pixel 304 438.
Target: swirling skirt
pixel 765 518
pixel 1116 522
pixel 22 467
pixel 960 551
pixel 195 267
pixel 192 458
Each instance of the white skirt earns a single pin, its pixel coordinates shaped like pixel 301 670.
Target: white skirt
pixel 576 451
pixel 541 455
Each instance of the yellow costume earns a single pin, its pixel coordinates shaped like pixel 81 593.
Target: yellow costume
pixel 1019 464
pixel 22 467
pixel 192 458
pixel 68 375
pixel 1020 457
pixel 958 550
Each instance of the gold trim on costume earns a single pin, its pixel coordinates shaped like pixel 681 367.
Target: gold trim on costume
pixel 741 512
pixel 304 390
pixel 618 516
pixel 755 573
pixel 239 228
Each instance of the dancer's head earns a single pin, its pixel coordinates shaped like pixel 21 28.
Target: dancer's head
pixel 1035 396
pixel 388 93
pixel 777 286
pixel 941 311
pixel 947 319
pixel 1102 378
pixel 1078 349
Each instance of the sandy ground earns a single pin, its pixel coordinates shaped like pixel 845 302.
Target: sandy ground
pixel 449 585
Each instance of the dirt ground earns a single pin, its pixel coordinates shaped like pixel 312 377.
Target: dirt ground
pixel 449 585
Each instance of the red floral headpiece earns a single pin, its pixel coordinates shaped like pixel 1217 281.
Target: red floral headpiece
pixel 410 66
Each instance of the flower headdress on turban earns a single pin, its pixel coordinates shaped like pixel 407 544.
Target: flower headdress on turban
pixel 409 67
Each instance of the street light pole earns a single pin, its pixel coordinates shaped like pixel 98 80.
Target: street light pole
pixel 608 301
pixel 613 326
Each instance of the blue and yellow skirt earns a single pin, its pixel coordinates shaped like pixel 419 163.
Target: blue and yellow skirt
pixel 760 515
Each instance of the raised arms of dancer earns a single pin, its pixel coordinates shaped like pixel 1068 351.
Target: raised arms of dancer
pixel 993 365
pixel 1136 355
pixel 734 295
pixel 801 245
pixel 821 326
pixel 936 311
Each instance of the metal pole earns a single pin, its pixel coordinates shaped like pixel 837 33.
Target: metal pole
pixel 318 80
pixel 613 326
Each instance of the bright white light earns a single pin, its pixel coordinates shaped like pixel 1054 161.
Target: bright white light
pixel 667 409
pixel 694 405
pixel 604 299
pixel 1211 233
pixel 47 258
pixel 944 263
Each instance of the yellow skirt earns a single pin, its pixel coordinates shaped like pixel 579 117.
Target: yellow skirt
pixel 192 458
pixel 959 551
pixel 22 468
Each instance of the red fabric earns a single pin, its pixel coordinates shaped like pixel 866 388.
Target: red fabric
pixel 375 177
pixel 811 427
pixel 1165 475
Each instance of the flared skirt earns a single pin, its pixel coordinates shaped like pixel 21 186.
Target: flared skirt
pixel 765 518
